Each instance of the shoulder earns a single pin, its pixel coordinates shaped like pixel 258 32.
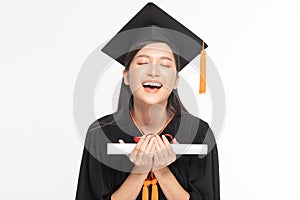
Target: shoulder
pixel 96 139
pixel 204 133
pixel 96 130
pixel 194 121
pixel 101 122
pixel 190 129
pixel 193 128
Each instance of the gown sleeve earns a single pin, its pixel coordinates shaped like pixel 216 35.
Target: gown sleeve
pixel 95 181
pixel 199 175
pixel 204 175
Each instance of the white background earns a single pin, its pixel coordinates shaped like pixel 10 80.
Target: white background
pixel 254 44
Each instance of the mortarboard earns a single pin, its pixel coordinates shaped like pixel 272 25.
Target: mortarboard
pixel 151 23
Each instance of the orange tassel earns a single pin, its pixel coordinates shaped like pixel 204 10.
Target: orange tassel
pixel 202 87
pixel 154 195
pixel 145 194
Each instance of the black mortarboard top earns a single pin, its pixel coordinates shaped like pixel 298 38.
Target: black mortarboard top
pixel 151 23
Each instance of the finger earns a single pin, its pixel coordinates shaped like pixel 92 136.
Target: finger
pixel 140 154
pixel 155 157
pixel 150 135
pixel 165 153
pixel 153 147
pixel 121 141
pixel 159 152
pixel 170 151
pixel 144 145
pixel 148 155
pixel 151 153
pixel 150 145
pixel 160 142
pixel 132 157
pixel 144 153
pixel 174 141
pixel 165 140
pixel 157 147
pixel 138 145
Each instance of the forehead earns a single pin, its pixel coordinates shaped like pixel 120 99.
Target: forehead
pixel 156 48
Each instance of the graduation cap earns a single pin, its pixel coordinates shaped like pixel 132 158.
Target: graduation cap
pixel 151 23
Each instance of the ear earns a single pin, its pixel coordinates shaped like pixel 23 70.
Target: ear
pixel 176 82
pixel 125 76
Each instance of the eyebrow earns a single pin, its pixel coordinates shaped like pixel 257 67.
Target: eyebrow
pixel 163 57
pixel 143 56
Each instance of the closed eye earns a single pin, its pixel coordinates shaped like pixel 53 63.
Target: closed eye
pixel 142 63
pixel 165 65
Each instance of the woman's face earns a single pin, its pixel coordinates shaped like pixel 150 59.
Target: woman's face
pixel 152 74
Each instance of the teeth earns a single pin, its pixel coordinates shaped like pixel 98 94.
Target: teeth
pixel 152 84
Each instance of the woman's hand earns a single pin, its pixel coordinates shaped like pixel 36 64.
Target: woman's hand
pixel 164 154
pixel 174 141
pixel 142 154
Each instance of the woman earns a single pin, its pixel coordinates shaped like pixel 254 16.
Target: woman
pixel 149 110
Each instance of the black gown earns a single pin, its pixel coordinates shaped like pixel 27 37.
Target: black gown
pixel 101 174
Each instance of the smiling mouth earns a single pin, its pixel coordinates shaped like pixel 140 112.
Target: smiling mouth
pixel 152 87
pixel 152 84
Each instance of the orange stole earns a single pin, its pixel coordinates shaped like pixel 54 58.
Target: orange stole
pixel 145 194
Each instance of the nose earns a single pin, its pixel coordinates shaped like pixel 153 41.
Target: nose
pixel 153 70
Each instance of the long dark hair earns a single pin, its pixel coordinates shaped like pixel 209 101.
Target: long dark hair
pixel 126 98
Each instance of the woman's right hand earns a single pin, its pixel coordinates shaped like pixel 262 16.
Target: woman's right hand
pixel 142 154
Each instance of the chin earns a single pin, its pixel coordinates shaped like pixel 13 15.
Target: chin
pixel 151 98
pixel 153 101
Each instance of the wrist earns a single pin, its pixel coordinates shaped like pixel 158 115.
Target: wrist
pixel 161 172
pixel 138 171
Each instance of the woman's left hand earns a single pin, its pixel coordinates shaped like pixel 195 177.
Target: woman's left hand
pixel 164 154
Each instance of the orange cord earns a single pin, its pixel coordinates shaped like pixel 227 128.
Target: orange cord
pixel 202 87
pixel 154 193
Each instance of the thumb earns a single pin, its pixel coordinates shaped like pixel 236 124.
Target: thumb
pixel 121 141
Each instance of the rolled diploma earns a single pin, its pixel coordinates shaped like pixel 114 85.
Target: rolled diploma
pixel 189 149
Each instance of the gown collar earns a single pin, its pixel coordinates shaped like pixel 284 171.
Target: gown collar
pixel 126 123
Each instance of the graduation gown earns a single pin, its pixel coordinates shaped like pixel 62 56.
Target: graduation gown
pixel 101 174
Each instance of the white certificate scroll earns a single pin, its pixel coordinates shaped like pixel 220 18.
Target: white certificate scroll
pixel 189 149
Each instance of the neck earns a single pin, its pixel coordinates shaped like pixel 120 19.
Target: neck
pixel 150 118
